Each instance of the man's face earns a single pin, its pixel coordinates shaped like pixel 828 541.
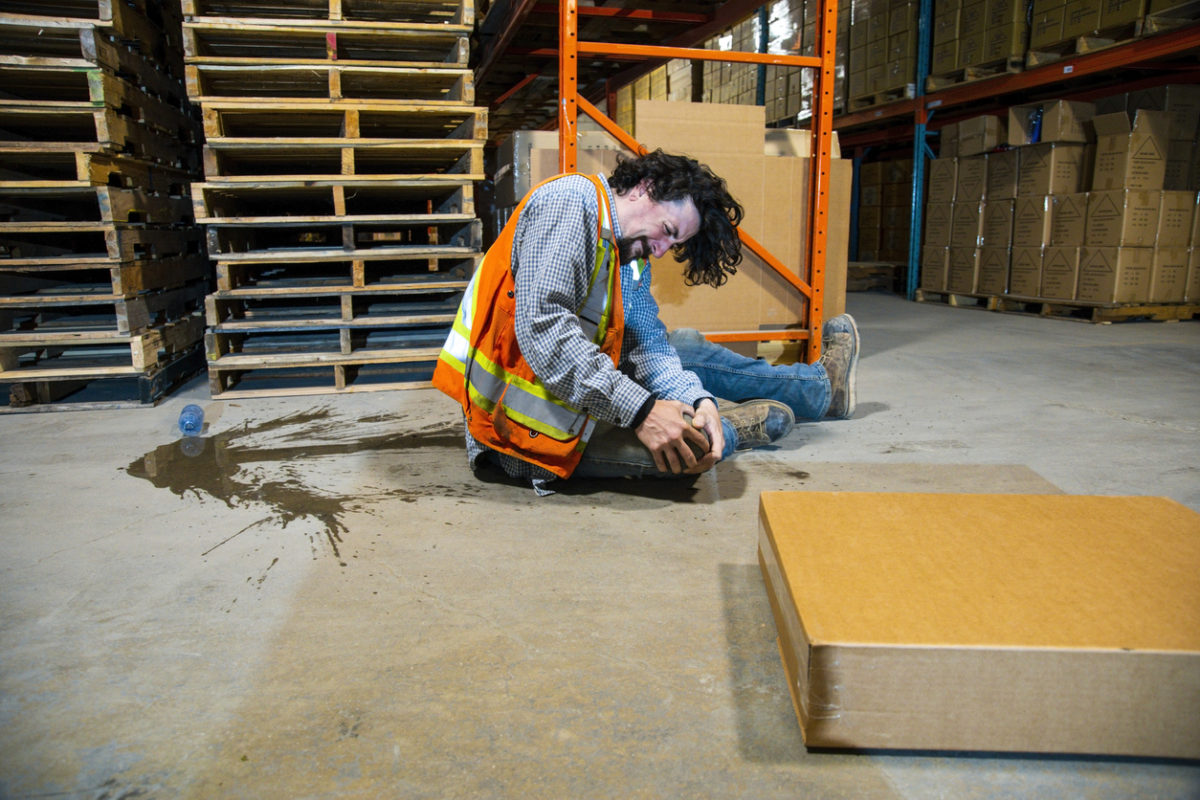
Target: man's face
pixel 650 227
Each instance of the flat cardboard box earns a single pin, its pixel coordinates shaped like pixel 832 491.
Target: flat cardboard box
pixel 979 134
pixel 1131 153
pixel 773 191
pixel 1031 221
pixel 971 183
pixel 1114 274
pixel 1051 121
pixel 1122 219
pixel 963 270
pixel 1060 272
pixel 993 270
pixel 1168 275
pixel 1004 623
pixel 1068 219
pixel 1175 214
pixel 1025 271
pixel 935 263
pixel 1051 168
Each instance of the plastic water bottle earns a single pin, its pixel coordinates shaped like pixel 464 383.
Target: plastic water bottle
pixel 191 420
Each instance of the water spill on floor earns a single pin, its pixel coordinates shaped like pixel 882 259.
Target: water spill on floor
pixel 267 463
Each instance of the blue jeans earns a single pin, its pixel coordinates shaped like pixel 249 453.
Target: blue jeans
pixel 731 376
pixel 618 453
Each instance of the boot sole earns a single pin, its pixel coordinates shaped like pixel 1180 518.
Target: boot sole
pixel 851 389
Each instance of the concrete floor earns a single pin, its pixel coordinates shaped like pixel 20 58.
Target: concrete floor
pixel 325 603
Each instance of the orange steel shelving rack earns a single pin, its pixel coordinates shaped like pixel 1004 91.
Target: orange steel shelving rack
pixel 570 103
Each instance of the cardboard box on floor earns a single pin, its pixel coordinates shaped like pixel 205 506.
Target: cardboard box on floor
pixel 1009 623
pixel 772 190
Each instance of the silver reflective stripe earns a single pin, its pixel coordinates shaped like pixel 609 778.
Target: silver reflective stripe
pixel 566 421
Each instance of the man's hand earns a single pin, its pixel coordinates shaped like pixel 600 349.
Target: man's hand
pixel 709 419
pixel 670 432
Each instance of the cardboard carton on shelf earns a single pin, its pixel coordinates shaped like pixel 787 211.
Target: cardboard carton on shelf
pixel 935 263
pixel 971 179
pixel 1009 623
pixel 1114 274
pixel 1131 153
pixel 1175 219
pixel 963 270
pixel 1168 275
pixel 1051 168
pixel 1051 121
pixel 1122 219
pixel 980 134
pixel 1002 169
pixel 1025 271
pixel 1068 219
pixel 1193 279
pixel 1060 272
pixel 993 270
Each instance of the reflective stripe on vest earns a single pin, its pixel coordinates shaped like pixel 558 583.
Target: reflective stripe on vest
pixel 529 402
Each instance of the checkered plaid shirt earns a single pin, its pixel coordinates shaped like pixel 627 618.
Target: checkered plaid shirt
pixel 554 249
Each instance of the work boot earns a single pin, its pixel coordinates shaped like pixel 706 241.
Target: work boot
pixel 839 357
pixel 759 422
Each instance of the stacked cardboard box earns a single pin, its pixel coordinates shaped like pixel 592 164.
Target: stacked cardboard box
pixel 883 46
pixel 970 36
pixel 1069 204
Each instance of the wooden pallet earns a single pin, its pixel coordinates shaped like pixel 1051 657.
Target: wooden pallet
pixel 32 165
pixel 409 85
pixel 226 201
pixel 261 42
pixel 68 207
pixel 1080 310
pixel 102 392
pixel 84 49
pixel 1102 313
pixel 43 125
pixel 975 72
pixel 230 157
pixel 880 98
pixel 151 27
pixel 24 244
pixel 94 351
pixel 77 306
pixel 343 119
pixel 124 280
pixel 1171 18
pixel 390 275
pixel 272 374
pixel 353 234
pixel 451 12
pixel 1080 45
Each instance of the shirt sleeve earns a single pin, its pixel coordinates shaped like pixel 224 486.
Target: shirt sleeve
pixel 554 250
pixel 647 354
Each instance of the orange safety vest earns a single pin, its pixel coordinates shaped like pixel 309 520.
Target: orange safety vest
pixel 507 406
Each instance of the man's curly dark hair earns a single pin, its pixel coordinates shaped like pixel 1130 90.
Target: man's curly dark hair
pixel 712 255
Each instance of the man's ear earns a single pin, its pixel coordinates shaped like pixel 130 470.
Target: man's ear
pixel 641 190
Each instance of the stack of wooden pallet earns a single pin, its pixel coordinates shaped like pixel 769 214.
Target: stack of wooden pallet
pixel 102 271
pixel 341 153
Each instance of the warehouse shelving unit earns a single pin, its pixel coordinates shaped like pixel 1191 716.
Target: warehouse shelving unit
pixel 1168 56
pixel 586 68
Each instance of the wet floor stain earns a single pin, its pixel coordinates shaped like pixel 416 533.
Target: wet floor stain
pixel 267 463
